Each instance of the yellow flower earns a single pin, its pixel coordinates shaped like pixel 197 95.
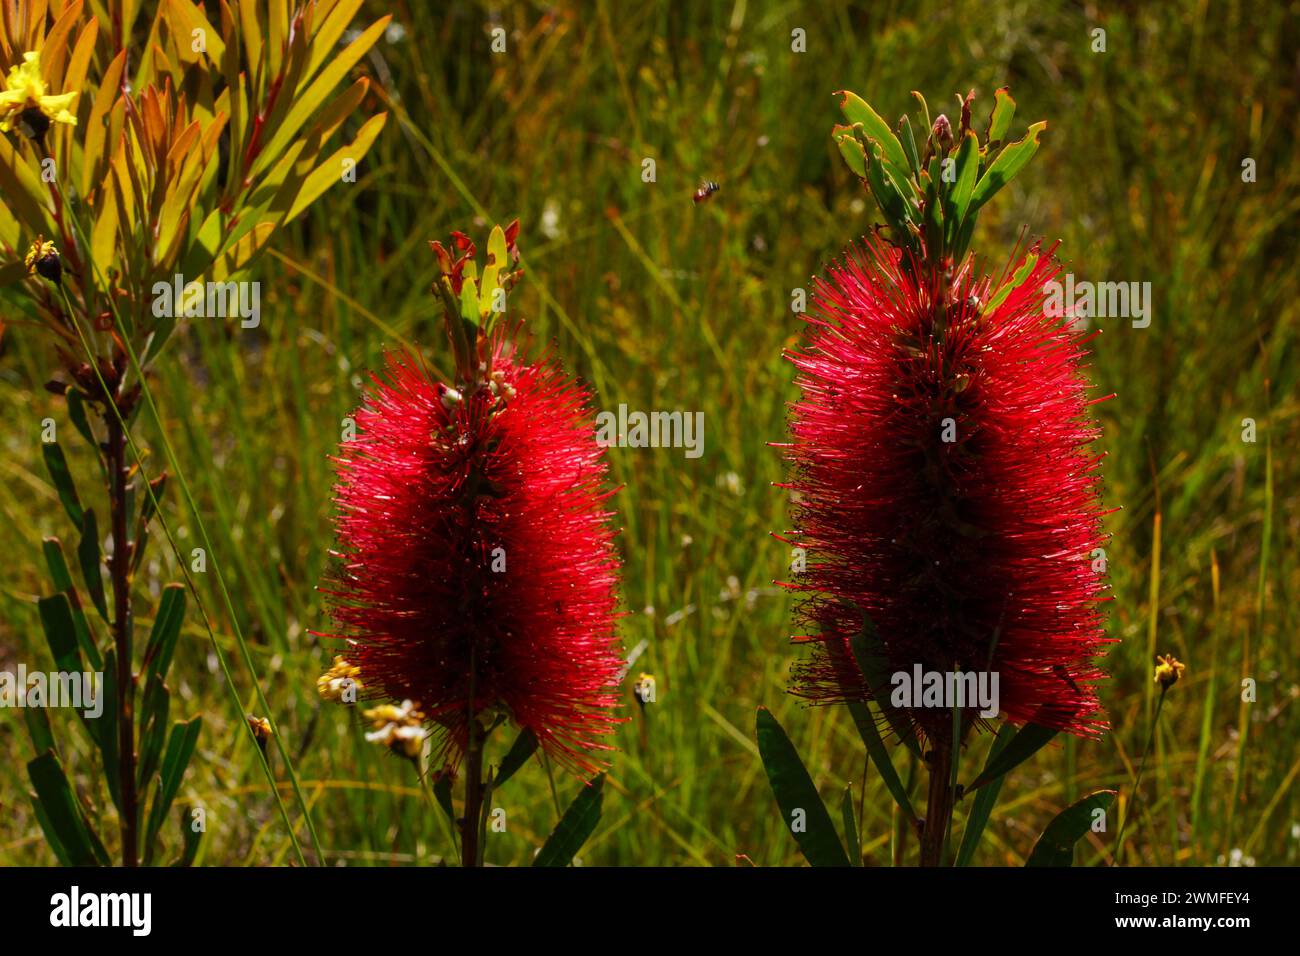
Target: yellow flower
pixel 336 682
pixel 1168 670
pixel 261 729
pixel 43 259
pixel 25 92
pixel 397 728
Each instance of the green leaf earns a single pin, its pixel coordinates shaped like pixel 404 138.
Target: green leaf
pixel 190 837
pixel 1028 741
pixel 60 632
pixel 164 634
pixel 850 827
pixel 154 705
pixel 469 301
pixel 857 110
pixel 869 653
pixel 794 791
pixel 47 827
pixel 909 146
pixel 1010 161
pixel 88 556
pixel 1056 846
pixel 105 729
pixel 57 465
pixel 968 161
pixel 851 150
pixel 60 809
pixel 982 806
pixel 523 747
pixel 1017 279
pixel 180 748
pixel 77 412
pixel 442 793
pixel 57 562
pixel 575 826
pixel 1004 110
pixel 870 735
pixel 38 727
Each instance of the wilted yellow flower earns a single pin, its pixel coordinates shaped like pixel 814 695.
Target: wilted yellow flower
pixel 341 677
pixel 25 100
pixel 43 259
pixel 261 729
pixel 1168 670
pixel 397 728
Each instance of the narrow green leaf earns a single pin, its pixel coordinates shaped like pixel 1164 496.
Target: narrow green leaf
pixel 60 807
pixel 57 562
pixel 442 793
pixel 869 653
pixel 870 735
pixel 857 110
pixel 60 632
pixel 1017 279
pixel 851 150
pixel 1004 110
pixel 38 727
pixel 180 747
pixel 1028 741
pixel 190 838
pixel 77 412
pixel 968 161
pixel 575 826
pixel 165 633
pixel 1056 846
pixel 982 806
pixel 47 827
pixel 88 556
pixel 1002 170
pixel 797 796
pixel 523 748
pixel 105 732
pixel 57 465
pixel 850 827
pixel 909 145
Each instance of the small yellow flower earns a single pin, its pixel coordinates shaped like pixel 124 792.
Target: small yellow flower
pixel 340 682
pixel 644 689
pixel 25 99
pixel 397 728
pixel 1168 670
pixel 261 729
pixel 43 259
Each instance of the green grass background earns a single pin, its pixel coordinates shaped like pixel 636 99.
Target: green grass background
pixel 665 305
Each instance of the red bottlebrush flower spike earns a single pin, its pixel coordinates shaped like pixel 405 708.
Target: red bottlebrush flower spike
pixel 478 571
pixel 971 553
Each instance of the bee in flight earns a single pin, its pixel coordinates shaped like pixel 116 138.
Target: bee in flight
pixel 705 192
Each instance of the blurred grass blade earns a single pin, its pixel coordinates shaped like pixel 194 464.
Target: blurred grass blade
pixel 850 827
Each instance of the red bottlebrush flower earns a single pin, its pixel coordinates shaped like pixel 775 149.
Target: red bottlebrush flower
pixel 478 569
pixel 970 553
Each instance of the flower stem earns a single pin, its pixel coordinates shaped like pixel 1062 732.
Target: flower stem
pixel 938 810
pixel 470 851
pixel 119 567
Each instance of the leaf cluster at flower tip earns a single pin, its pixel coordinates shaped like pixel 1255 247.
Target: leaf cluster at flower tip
pixel 930 197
